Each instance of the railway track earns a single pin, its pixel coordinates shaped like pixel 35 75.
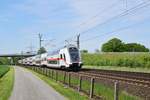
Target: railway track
pixel 137 84
pixel 132 78
pixel 135 78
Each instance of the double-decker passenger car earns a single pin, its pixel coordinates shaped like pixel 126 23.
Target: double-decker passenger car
pixel 66 57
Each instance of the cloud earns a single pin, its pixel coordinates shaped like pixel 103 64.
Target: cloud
pixel 95 12
pixel 61 19
pixel 37 8
pixel 89 14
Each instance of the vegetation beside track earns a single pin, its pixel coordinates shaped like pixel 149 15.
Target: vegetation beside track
pixel 6 84
pixel 101 90
pixel 105 92
pixel 131 60
pixel 67 92
pixel 144 70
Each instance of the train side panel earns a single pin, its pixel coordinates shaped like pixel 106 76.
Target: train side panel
pixel 53 61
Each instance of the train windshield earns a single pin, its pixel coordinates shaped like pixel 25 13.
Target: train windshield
pixel 74 54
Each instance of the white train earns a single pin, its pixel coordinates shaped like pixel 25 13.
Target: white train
pixel 67 57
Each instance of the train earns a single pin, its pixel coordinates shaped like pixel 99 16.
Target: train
pixel 68 57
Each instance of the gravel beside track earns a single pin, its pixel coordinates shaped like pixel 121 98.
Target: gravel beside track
pixel 130 77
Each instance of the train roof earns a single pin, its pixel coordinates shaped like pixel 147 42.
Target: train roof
pixel 57 50
pixel 44 55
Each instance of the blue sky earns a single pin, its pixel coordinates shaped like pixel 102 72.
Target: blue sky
pixel 57 20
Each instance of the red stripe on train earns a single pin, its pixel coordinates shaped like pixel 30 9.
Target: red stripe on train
pixel 54 59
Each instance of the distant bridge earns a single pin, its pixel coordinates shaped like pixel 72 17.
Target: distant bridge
pixel 21 55
pixel 17 55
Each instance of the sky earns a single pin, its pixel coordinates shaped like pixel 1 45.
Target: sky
pixel 58 20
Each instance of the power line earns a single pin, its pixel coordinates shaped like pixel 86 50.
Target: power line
pixel 120 15
pixel 113 18
pixel 111 32
pixel 123 28
pixel 31 47
pixel 69 40
pixel 100 13
pixel 49 43
pixel 91 18
pixel 141 5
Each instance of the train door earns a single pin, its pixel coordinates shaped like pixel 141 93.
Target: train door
pixel 62 60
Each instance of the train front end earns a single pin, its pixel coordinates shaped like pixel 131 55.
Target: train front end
pixel 75 58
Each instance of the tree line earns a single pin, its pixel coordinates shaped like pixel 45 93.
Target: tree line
pixel 116 45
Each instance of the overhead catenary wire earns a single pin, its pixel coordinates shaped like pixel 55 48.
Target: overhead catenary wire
pixel 90 20
pixel 111 32
pixel 124 13
pixel 98 14
pixel 141 5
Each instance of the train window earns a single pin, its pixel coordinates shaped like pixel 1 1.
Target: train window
pixel 61 56
pixel 64 57
pixel 74 54
pixel 73 49
pixel 52 62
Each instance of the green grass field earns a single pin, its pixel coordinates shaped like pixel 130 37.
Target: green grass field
pixel 145 70
pixel 3 70
pixel 131 60
pixel 6 84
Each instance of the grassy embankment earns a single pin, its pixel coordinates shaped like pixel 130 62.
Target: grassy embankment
pixel 118 61
pixel 3 70
pixel 101 90
pixel 6 82
pixel 105 92
pixel 67 92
